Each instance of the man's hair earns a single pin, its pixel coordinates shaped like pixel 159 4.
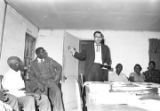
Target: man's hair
pixel 119 64
pixel 99 33
pixel 138 65
pixel 152 62
pixel 11 59
pixel 38 49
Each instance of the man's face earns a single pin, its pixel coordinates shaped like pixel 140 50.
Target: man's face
pixel 137 69
pixel 41 54
pixel 46 54
pixel 15 65
pixel 151 66
pixel 119 69
pixel 97 38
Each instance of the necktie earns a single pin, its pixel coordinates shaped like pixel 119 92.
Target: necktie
pixel 97 48
pixel 42 60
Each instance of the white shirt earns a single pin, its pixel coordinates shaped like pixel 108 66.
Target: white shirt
pixel 40 60
pixel 98 54
pixel 117 78
pixel 13 82
pixel 5 107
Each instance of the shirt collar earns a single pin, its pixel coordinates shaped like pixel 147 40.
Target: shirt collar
pixel 97 44
pixel 39 60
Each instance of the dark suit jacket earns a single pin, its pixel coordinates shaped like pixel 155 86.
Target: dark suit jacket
pixel 38 80
pixel 88 54
pixel 53 70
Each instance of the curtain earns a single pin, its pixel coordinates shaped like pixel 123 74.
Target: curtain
pixel 154 51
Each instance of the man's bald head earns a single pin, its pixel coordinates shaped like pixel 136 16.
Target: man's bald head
pixel 14 62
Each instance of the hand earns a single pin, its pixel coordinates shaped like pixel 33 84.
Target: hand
pixel 3 96
pixel 4 90
pixel 105 64
pixel 41 87
pixel 72 50
pixel 36 96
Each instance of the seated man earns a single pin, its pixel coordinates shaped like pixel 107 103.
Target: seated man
pixel 13 83
pixel 46 72
pixel 152 74
pixel 16 86
pixel 137 76
pixel 118 75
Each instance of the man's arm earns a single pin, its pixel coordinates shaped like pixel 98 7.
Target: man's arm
pixel 58 69
pixel 35 79
pixel 107 55
pixel 78 55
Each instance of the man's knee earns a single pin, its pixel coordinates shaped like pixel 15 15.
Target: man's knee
pixel 31 100
pixel 44 103
pixel 44 99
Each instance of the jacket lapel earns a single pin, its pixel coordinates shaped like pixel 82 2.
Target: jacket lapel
pixel 102 53
pixel 36 68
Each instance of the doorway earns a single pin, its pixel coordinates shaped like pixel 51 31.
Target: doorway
pixel 29 49
pixel 81 64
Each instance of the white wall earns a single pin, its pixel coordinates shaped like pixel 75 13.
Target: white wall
pixel 15 29
pixel 127 47
pixel 2 12
pixel 52 41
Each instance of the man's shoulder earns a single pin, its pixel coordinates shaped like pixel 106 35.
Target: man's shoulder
pixel 49 59
pixel 105 46
pixel 34 61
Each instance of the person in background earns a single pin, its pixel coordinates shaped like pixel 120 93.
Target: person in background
pixel 137 76
pixel 13 85
pixel 152 74
pixel 118 76
pixel 96 56
pixel 47 73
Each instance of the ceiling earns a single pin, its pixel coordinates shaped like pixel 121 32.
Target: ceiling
pixel 91 14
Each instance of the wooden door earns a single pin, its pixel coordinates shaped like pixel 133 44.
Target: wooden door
pixel 29 49
pixel 70 64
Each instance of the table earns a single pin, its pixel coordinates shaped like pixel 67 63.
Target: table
pixel 119 96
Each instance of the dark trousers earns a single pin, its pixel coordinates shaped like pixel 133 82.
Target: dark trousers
pixel 96 73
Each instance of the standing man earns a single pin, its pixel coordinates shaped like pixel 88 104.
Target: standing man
pixel 47 72
pixel 96 56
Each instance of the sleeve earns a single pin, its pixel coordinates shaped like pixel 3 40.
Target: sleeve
pixel 58 69
pixel 131 77
pixel 34 83
pixel 81 55
pixel 107 56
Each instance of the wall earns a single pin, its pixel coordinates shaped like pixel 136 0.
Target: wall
pixel 52 41
pixel 127 47
pixel 15 29
pixel 2 13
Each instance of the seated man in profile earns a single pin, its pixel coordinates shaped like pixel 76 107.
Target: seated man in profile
pixel 12 84
pixel 118 76
pixel 15 84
